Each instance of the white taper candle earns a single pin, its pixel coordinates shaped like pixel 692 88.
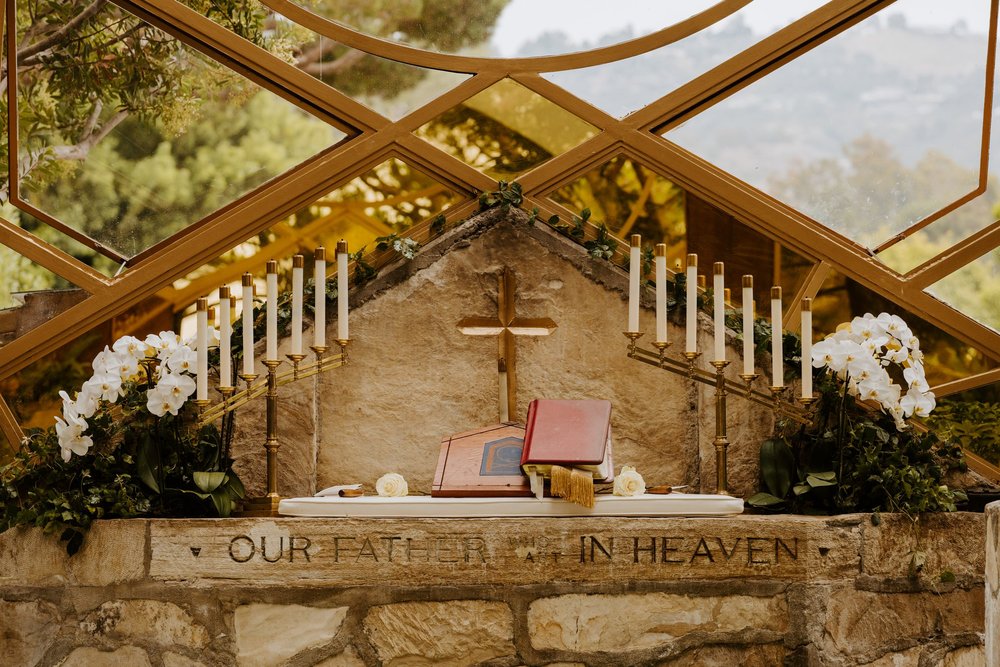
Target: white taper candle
pixel 342 290
pixel 634 280
pixel 298 268
pixel 660 261
pixel 807 344
pixel 692 304
pixel 719 310
pixel 248 364
pixel 225 339
pixel 319 310
pixel 748 365
pixel 272 311
pixel 202 354
pixel 777 353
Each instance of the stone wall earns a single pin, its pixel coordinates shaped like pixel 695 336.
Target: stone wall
pixel 414 378
pixel 993 584
pixel 751 590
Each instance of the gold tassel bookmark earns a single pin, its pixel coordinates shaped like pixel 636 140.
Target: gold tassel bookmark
pixel 576 486
pixel 581 489
pixel 560 481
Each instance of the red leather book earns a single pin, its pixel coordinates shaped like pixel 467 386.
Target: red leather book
pixel 568 433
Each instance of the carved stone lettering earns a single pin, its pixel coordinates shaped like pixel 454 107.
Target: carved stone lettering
pixel 496 551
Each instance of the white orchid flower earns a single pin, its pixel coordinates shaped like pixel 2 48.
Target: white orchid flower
pixel 179 387
pixel 131 346
pixel 159 402
pixel 127 366
pixel 182 360
pixel 917 403
pixel 106 361
pixel 107 386
pixel 86 402
pixel 71 437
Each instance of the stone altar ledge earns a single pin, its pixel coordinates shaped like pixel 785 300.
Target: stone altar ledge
pixel 598 591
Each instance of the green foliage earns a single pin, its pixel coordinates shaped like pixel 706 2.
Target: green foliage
pixel 602 247
pixel 140 465
pixel 974 425
pixel 438 223
pixel 363 271
pixel 406 247
pixel 852 460
pixel 506 196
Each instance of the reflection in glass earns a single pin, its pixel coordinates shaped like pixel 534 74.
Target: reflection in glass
pixel 945 357
pixel 858 132
pixel 974 290
pixel 506 130
pixel 390 198
pixel 630 198
pixel 624 86
pixel 392 89
pixel 162 136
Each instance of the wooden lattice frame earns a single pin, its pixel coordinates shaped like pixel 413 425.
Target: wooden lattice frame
pixel 373 138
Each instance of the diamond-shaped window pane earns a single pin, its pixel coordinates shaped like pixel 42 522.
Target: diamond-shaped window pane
pixel 506 130
pixel 974 290
pixel 128 135
pixel 867 133
pixel 630 198
pixel 391 198
pixel 626 85
pixel 945 357
pixel 391 88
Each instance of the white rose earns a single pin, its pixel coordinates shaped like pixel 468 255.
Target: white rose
pixel 391 485
pixel 629 483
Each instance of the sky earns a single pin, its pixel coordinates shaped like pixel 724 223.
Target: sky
pixel 587 20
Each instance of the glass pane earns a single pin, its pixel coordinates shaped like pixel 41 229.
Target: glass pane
pixel 974 290
pixel 390 88
pixel 630 198
pixel 391 198
pixel 506 130
pixel 945 357
pixel 514 28
pixel 961 223
pixel 856 132
pixel 624 86
pixel 33 392
pixel 972 420
pixel 157 137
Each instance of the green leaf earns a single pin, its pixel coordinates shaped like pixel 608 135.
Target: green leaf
pixel 829 475
pixel 223 503
pixel 235 485
pixel 208 481
pixel 763 499
pixel 777 466
pixel 814 481
pixel 799 489
pixel 148 463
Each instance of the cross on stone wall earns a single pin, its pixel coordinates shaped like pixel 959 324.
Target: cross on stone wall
pixel 506 325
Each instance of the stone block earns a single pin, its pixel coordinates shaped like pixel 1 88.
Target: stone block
pixel 29 557
pixel 967 656
pixel 445 634
pixel 865 623
pixel 113 552
pixel 746 655
pixel 907 658
pixel 171 659
pixel 993 584
pixel 618 623
pixel 26 631
pixel 346 659
pixel 126 656
pixel 163 623
pixel 517 551
pixel 950 542
pixel 268 634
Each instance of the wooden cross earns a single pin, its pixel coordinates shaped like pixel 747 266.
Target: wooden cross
pixel 506 325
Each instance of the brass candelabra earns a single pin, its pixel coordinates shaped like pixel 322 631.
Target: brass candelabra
pixel 232 399
pixel 724 386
